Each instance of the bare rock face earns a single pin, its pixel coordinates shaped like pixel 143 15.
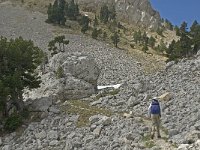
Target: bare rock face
pixel 138 12
pixel 77 79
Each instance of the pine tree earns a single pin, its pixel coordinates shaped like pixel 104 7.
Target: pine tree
pixel 137 36
pixel 50 14
pixel 95 21
pixel 72 10
pixel 145 38
pixel 61 12
pixel 104 14
pixel 183 28
pixel 115 39
pixel 168 24
pixel 105 36
pixel 61 41
pixel 95 33
pixel 84 22
pixel 152 42
pixel 162 47
pixel 145 48
pixel 19 58
pixel 176 28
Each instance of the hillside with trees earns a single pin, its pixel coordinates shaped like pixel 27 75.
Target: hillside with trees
pixel 18 60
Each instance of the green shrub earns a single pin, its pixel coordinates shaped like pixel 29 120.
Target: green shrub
pixel 12 123
pixel 132 45
pixel 59 72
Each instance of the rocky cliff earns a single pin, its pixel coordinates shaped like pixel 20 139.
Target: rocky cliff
pixel 138 12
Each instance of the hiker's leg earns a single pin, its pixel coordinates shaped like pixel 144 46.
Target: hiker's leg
pixel 158 127
pixel 153 126
pixel 153 130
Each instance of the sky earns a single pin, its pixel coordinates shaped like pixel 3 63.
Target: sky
pixel 177 11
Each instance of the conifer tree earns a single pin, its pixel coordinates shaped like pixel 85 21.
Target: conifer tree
pixel 95 21
pixel 152 42
pixel 104 14
pixel 115 39
pixel 112 13
pixel 95 33
pixel 19 58
pixel 145 48
pixel 84 22
pixel 61 41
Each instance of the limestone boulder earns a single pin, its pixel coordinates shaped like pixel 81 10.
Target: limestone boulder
pixel 165 97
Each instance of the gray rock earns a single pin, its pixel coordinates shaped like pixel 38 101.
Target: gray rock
pixel 54 143
pixel 173 132
pixel 41 135
pixel 132 101
pixel 88 139
pixel 138 12
pixel 41 104
pixel 52 135
pixel 54 109
pixel 6 147
pixel 97 131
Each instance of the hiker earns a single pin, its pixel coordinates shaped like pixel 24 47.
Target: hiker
pixel 155 115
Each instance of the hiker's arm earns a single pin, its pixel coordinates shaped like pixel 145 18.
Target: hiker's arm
pixel 160 109
pixel 149 111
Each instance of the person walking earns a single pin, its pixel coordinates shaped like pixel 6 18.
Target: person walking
pixel 155 115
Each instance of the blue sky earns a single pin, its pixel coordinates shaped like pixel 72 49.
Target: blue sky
pixel 178 11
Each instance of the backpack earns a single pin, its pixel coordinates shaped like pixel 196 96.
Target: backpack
pixel 155 107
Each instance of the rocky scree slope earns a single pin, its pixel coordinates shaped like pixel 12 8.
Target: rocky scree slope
pixel 180 114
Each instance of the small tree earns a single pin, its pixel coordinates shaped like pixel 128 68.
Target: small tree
pixel 60 40
pixel 95 21
pixel 152 42
pixel 19 59
pixel 84 22
pixel 95 33
pixel 60 72
pixel 104 14
pixel 160 31
pixel 145 48
pixel 115 39
pixel 105 35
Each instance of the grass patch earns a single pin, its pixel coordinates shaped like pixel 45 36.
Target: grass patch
pixel 85 111
pixel 149 144
pixel 146 137
pixel 165 130
pixel 174 145
pixel 147 141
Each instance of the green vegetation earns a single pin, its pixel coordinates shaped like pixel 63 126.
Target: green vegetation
pixel 84 22
pixel 61 41
pixel 18 60
pixel 148 142
pixel 60 10
pixel 85 111
pixel 115 39
pixel 187 45
pixel 106 22
pixel 59 72
pixel 13 122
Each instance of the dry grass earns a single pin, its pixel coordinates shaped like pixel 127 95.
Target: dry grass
pixel 84 110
